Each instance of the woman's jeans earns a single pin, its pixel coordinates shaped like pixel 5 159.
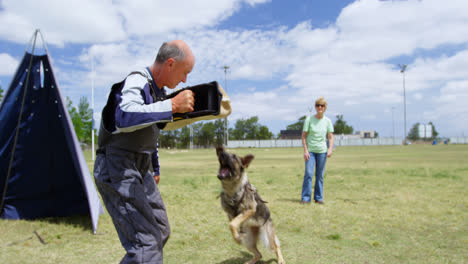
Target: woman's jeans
pixel 317 161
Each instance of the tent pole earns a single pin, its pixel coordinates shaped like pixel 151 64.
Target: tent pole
pixel 92 107
pixel 19 122
pixel 44 43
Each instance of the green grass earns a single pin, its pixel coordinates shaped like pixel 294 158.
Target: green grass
pixel 392 204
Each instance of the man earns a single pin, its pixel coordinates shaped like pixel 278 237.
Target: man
pixel 127 156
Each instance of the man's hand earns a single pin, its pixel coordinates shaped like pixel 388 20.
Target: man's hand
pixel 156 178
pixel 306 156
pixel 329 153
pixel 183 102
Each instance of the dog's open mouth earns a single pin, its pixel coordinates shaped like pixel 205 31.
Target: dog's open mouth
pixel 223 173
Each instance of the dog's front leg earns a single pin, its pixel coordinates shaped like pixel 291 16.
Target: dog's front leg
pixel 235 224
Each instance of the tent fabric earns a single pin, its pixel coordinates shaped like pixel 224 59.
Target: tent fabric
pixel 48 176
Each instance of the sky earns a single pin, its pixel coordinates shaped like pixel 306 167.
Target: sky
pixel 282 55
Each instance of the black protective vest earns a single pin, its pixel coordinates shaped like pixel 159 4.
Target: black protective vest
pixel 141 140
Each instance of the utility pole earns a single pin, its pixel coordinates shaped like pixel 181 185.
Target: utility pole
pixel 402 70
pixel 393 125
pixel 226 68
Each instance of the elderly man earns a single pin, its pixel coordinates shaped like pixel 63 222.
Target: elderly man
pixel 127 167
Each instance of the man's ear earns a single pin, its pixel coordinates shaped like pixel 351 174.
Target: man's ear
pixel 246 160
pixel 170 63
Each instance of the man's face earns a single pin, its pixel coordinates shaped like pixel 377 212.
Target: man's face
pixel 179 71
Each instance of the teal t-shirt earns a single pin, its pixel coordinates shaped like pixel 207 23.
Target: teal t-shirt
pixel 317 130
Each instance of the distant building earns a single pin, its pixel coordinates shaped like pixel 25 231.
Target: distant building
pixel 366 134
pixel 290 134
pixel 357 135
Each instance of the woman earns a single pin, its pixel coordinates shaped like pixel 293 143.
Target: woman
pixel 316 130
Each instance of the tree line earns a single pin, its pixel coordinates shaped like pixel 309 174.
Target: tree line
pixel 203 134
pixel 210 133
pixel 339 127
pixel 207 134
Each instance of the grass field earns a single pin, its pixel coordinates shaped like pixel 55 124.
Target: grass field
pixel 392 204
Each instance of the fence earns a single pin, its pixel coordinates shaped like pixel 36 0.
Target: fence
pixel 459 140
pixel 290 143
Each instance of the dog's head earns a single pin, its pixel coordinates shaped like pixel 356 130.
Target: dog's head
pixel 231 166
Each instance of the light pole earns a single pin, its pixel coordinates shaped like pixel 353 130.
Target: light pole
pixel 191 136
pixel 402 70
pixel 225 67
pixel 393 125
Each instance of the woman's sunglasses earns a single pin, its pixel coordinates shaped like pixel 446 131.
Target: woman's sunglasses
pixel 319 105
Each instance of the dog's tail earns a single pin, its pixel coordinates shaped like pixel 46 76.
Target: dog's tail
pixel 267 233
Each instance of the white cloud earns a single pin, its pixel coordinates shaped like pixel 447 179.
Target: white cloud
pixel 8 64
pixel 88 21
pixel 83 21
pixel 450 106
pixel 268 105
pixel 373 30
pixel 418 96
pixel 156 17
pixel 369 117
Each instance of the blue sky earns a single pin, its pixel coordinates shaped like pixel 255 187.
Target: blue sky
pixel 282 54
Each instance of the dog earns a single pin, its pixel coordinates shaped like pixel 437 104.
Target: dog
pixel 248 214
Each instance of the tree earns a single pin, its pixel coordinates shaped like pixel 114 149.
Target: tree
pixel 81 119
pixel 197 127
pixel 219 125
pixel 264 133
pixel 298 125
pixel 207 134
pixel 238 132
pixel 168 139
pixel 340 126
pixel 184 137
pixel 249 129
pixel 76 120
pixel 434 132
pixel 413 134
pixel 86 115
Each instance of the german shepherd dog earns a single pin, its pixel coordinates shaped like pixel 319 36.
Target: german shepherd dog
pixel 248 215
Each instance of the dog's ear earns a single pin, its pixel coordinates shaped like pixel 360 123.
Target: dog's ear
pixel 246 160
pixel 219 150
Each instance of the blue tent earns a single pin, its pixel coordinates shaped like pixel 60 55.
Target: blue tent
pixel 43 172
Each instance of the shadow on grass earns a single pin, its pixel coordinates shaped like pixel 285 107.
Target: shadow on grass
pixel 78 221
pixel 291 200
pixel 245 257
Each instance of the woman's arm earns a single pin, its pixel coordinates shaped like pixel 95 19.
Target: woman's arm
pixel 330 144
pixel 304 144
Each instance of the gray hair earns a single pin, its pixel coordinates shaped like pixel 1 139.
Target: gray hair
pixel 169 50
